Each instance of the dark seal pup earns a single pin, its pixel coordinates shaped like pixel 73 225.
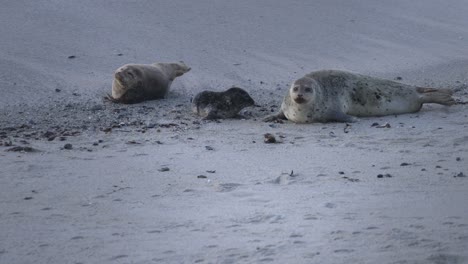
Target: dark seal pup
pixel 331 95
pixel 220 105
pixel 134 83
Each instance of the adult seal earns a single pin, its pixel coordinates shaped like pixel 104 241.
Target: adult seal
pixel 221 105
pixel 331 95
pixel 134 83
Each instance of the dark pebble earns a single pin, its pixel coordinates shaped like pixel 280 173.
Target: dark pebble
pixel 209 148
pixel 387 175
pixel 399 78
pixel 405 164
pixel 68 146
pixel 269 138
pixel 163 169
pixel 58 90
pixel 438 167
pixel 341 172
pixel 201 177
pixel 28 198
pixel 458 159
pixel 71 56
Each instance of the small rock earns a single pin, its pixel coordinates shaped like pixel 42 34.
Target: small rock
pixel 269 138
pixel 386 125
pixel 211 171
pixel 405 164
pixel 209 148
pixel 458 159
pixel 459 175
pixel 163 169
pixel 71 56
pixel 58 90
pixel 341 172
pixel 384 175
pixel 202 177
pixel 28 198
pixel 68 146
pixel 399 78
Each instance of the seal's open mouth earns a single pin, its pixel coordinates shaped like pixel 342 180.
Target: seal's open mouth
pixel 300 100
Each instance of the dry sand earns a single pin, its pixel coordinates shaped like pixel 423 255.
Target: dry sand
pixel 151 183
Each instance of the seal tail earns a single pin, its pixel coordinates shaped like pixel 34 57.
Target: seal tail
pixel 437 96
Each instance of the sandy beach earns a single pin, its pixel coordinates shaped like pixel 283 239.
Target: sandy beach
pixel 84 180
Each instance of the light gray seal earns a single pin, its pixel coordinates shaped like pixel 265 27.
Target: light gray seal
pixel 134 83
pixel 332 95
pixel 221 105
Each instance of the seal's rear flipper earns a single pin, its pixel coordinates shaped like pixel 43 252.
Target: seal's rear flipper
pixel 273 118
pixel 436 96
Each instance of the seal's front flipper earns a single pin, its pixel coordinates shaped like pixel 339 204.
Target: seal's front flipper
pixel 342 117
pixel 212 115
pixel 273 118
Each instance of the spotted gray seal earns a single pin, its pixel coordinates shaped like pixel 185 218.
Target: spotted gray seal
pixel 220 105
pixel 134 83
pixel 332 95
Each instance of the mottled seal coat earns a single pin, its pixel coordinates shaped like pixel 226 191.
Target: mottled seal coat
pixel 331 95
pixel 220 105
pixel 134 83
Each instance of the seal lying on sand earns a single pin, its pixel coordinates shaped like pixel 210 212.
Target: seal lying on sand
pixel 219 105
pixel 134 83
pixel 331 95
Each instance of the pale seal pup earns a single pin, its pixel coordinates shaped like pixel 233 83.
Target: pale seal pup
pixel 134 83
pixel 220 105
pixel 331 95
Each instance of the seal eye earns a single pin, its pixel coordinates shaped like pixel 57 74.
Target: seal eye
pixel 295 89
pixel 308 90
pixel 130 74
